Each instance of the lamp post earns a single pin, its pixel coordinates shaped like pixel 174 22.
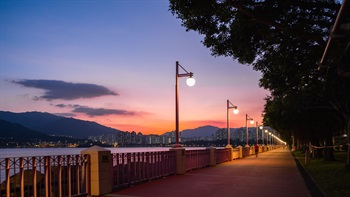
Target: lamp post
pixel 246 125
pixel 190 82
pixel 257 131
pixel 262 134
pixel 235 111
pixel 267 137
pixel 270 138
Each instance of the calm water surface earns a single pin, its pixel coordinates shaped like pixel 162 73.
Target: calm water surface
pixel 28 152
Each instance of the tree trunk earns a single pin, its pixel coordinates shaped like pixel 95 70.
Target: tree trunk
pixel 348 157
pixel 318 153
pixel 329 151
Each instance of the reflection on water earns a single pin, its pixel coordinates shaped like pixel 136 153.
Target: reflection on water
pixel 28 152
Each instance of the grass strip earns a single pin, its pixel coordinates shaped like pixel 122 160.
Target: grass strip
pixel 332 177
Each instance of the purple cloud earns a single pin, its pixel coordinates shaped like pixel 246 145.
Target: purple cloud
pixel 102 111
pixel 55 89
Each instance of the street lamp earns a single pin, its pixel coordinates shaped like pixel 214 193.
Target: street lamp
pixel 267 137
pixel 257 131
pixel 235 111
pixel 246 126
pixel 190 82
pixel 270 139
pixel 262 134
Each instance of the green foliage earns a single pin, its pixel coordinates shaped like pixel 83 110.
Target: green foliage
pixel 284 40
pixel 252 30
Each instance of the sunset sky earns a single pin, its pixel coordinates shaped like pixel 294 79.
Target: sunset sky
pixel 113 62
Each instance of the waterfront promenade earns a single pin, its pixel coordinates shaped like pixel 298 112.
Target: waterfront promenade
pixel 272 173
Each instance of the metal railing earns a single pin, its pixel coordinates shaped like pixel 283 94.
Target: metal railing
pixel 197 159
pixel 222 155
pixel 69 175
pixel 63 175
pixel 132 168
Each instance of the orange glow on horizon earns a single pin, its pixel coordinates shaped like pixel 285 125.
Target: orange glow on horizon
pixel 168 126
pixel 149 125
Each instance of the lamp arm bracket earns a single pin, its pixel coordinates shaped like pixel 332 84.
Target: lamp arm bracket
pixel 184 69
pixel 185 75
pixel 233 106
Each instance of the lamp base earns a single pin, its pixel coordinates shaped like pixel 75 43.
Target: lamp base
pixel 177 146
pixel 228 146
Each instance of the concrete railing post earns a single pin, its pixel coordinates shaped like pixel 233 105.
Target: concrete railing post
pixel 180 159
pixel 230 149
pixel 240 152
pixel 212 156
pixel 100 170
pixel 246 151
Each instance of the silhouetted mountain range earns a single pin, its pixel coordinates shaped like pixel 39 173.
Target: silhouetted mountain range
pixel 204 131
pixel 17 131
pixel 50 124
pixel 56 125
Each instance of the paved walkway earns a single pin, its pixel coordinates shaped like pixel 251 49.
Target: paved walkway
pixel 272 173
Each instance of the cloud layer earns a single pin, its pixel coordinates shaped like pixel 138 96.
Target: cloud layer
pixel 101 111
pixel 96 111
pixel 55 89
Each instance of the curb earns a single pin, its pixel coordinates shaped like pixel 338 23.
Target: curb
pixel 313 188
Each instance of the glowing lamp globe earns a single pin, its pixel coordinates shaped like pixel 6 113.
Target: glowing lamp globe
pixel 235 111
pixel 251 121
pixel 190 81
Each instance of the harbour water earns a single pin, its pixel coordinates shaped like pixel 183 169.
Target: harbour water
pixel 28 152
pixel 31 152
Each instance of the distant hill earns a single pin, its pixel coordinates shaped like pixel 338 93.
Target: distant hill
pixel 57 125
pixel 61 126
pixel 77 128
pixel 32 120
pixel 204 131
pixel 17 131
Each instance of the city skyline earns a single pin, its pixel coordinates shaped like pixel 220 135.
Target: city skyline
pixel 113 62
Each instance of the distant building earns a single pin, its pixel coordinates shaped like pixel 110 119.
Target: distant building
pixel 109 139
pixel 221 134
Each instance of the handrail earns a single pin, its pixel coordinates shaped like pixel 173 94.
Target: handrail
pixel 64 175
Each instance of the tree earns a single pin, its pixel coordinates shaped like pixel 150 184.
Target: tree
pixel 273 36
pixel 282 39
pixel 250 30
pixel 306 117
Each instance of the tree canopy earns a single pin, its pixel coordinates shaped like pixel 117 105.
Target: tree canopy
pixel 284 40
